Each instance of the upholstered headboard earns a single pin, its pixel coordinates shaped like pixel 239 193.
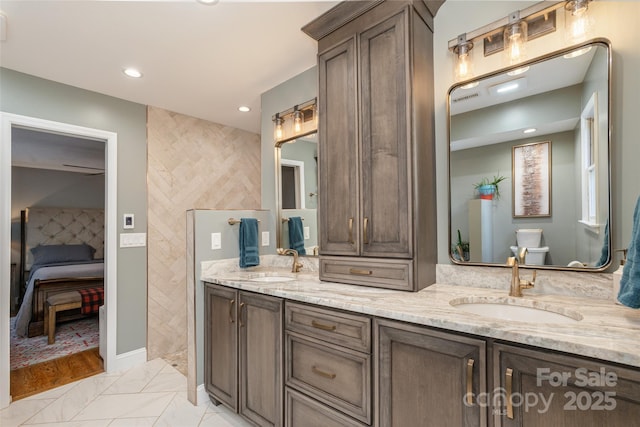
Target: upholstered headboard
pixel 55 226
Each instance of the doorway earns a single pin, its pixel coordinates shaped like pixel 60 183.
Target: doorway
pixel 9 123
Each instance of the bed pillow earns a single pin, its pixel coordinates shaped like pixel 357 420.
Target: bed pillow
pixel 50 254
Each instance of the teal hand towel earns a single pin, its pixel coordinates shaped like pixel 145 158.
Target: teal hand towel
pixel 629 294
pixel 296 235
pixel 248 242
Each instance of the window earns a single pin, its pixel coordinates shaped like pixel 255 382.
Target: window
pixel 589 145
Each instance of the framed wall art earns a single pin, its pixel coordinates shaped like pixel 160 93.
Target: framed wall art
pixel 531 173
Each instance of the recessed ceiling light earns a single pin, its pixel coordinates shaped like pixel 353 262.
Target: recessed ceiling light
pixel 470 85
pixel 508 86
pixel 518 71
pixel 530 130
pixel 132 72
pixel 577 53
pixel 244 109
pixel 208 2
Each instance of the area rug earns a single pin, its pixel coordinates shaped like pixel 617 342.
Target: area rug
pixel 71 337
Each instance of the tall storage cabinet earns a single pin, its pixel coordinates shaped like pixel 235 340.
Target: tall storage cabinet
pixel 376 144
pixel 244 353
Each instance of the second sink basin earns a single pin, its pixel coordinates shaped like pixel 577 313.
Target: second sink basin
pixel 519 310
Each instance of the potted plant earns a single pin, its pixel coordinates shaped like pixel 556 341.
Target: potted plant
pixel 461 249
pixel 488 188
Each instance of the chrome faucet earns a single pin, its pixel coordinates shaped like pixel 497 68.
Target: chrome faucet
pixel 518 284
pixel 295 268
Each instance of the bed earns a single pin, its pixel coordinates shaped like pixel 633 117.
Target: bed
pixel 62 250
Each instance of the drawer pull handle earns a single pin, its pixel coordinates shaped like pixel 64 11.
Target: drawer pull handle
pixel 323 373
pixel 361 272
pixel 319 325
pixel 509 386
pixel 351 231
pixel 469 395
pixel 231 304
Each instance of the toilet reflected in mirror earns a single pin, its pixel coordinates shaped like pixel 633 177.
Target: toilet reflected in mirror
pixel 530 239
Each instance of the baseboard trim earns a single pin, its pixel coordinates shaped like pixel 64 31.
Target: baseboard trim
pixel 202 397
pixel 130 359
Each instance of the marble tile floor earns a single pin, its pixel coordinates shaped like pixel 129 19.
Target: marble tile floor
pixel 153 394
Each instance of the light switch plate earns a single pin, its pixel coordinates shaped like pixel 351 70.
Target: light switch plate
pixel 133 240
pixel 306 233
pixel 265 238
pixel 216 241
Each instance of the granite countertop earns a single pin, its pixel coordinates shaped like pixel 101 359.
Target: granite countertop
pixel 606 331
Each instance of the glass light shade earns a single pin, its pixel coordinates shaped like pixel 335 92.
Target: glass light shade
pixel 277 133
pixel 297 121
pixel 515 40
pixel 464 66
pixel 578 21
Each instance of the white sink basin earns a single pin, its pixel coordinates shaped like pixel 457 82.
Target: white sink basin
pixel 272 279
pixel 519 310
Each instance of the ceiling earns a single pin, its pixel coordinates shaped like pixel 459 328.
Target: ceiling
pixel 199 60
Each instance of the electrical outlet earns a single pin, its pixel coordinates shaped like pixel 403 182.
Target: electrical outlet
pixel 306 233
pixel 216 241
pixel 265 238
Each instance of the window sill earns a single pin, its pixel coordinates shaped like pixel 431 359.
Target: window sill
pixel 593 227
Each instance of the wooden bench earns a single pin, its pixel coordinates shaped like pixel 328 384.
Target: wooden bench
pixel 56 303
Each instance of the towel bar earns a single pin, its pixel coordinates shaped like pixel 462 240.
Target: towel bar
pixel 287 219
pixel 233 221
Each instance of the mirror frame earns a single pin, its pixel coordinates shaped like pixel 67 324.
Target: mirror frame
pixel 278 160
pixel 602 41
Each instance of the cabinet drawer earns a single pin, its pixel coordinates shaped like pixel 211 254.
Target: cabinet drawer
pixel 303 411
pixel 377 272
pixel 345 329
pixel 336 376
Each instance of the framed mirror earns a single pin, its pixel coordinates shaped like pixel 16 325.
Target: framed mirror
pixel 540 132
pixel 297 193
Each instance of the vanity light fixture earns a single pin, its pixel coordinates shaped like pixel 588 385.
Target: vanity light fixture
pixel 464 66
pixel 511 33
pixel 295 122
pixel 132 72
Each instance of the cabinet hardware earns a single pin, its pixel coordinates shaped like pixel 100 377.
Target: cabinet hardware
pixel 241 321
pixel 318 325
pixel 322 373
pixel 469 395
pixel 360 272
pixel 231 303
pixel 365 231
pixel 351 231
pixel 509 386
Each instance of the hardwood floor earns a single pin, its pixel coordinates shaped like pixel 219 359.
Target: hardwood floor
pixel 44 376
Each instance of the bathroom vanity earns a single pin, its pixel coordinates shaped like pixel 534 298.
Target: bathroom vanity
pixel 359 356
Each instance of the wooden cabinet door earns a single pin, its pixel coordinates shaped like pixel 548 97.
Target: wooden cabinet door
pixel 221 344
pixel 261 388
pixel 338 159
pixel 424 376
pixel 555 390
pixel 385 140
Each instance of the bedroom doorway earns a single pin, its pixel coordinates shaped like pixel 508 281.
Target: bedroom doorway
pixel 13 126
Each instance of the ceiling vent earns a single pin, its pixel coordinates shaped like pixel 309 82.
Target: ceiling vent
pixel 466 97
